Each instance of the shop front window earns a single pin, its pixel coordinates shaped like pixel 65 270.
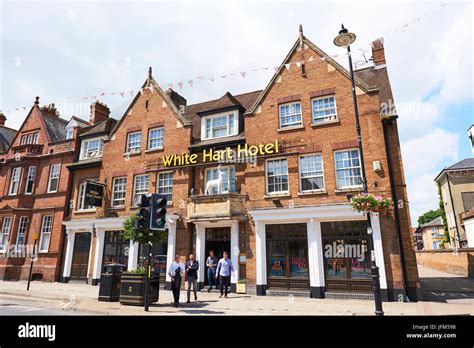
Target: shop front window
pixel 298 254
pixel 116 248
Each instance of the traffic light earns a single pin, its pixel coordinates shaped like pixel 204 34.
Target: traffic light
pixel 144 213
pixel 158 212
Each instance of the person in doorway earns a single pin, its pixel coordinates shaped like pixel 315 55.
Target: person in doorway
pixel 224 270
pixel 211 264
pixel 192 267
pixel 176 271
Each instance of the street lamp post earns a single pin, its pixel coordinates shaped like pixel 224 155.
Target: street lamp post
pixel 345 39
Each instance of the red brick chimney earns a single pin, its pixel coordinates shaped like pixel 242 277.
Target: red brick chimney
pixel 378 52
pixel 99 112
pixel 50 110
pixel 2 119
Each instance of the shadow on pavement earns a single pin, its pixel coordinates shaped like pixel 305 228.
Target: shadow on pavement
pixel 442 289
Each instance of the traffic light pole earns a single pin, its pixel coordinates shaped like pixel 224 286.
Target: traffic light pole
pixel 148 275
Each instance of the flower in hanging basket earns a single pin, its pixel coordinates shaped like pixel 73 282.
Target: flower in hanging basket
pixel 366 202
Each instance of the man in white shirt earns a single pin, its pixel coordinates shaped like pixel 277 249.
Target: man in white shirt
pixel 175 271
pixel 224 269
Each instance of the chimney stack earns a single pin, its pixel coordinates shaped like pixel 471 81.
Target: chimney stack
pixel 378 52
pixel 99 112
pixel 2 119
pixel 50 110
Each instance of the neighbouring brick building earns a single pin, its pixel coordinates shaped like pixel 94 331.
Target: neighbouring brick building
pixel 34 188
pixel 277 208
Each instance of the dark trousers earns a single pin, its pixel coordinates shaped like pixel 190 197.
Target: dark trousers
pixel 224 284
pixel 175 287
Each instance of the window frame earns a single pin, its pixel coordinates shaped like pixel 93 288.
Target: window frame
pixel 158 186
pixel 31 180
pixel 324 119
pixel 226 114
pixel 296 124
pixel 150 139
pixel 134 192
pixel 84 155
pixel 229 182
pixel 20 226
pixel 81 198
pixel 40 249
pixel 114 192
pixel 323 189
pixel 276 193
pixel 69 133
pixel 128 149
pixel 3 233
pixel 12 181
pixel 51 178
pixel 338 187
pixel 35 138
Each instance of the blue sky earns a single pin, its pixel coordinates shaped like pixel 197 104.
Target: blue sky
pixel 66 50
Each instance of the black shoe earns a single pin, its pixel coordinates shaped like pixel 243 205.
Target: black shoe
pixel 188 301
pixel 195 298
pixel 176 305
pixel 209 289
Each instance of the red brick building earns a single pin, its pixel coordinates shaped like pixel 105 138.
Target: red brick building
pixel 265 175
pixel 34 188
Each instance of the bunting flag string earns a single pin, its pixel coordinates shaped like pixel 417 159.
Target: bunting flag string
pixel 191 82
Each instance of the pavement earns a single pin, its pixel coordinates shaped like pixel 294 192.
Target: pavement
pixel 447 295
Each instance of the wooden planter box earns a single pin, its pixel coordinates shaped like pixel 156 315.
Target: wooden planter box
pixel 241 288
pixel 132 289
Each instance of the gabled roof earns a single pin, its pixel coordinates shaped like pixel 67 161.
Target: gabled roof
pixel 104 127
pixel 151 83
pixel 7 135
pixel 465 164
pixel 436 222
pixel 55 126
pixel 359 83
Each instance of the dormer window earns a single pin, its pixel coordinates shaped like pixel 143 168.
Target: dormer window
pixel 30 138
pixel 69 133
pixel 219 125
pixel 91 148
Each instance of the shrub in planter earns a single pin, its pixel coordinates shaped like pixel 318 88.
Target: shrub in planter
pixel 132 289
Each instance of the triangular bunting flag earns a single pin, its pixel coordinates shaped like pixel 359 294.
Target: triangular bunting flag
pixel 311 59
pixel 287 66
pixel 190 83
pixel 223 76
pixel 243 73
pixel 122 94
pixel 180 84
pixel 276 68
pixel 298 64
pixel 211 79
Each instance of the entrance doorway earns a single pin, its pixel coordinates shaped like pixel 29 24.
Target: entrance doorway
pixel 217 239
pixel 80 256
pixel 287 256
pixel 346 256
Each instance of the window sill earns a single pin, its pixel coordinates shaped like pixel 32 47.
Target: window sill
pixel 324 123
pixel 131 154
pixel 158 149
pixel 85 211
pixel 49 192
pixel 349 189
pixel 310 193
pixel 277 195
pixel 285 129
pixel 120 207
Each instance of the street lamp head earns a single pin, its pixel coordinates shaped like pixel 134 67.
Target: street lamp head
pixel 345 38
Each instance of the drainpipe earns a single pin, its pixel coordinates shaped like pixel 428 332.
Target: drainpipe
pixel 404 270
pixel 454 211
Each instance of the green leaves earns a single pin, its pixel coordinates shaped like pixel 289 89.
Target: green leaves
pixel 366 202
pixel 142 236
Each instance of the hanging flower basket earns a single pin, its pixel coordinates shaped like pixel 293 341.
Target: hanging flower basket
pixel 366 202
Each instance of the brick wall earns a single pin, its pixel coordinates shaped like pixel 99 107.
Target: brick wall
pixel 461 262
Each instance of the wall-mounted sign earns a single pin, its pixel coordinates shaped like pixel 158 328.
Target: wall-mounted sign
pixel 242 151
pixel 94 194
pixel 242 258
